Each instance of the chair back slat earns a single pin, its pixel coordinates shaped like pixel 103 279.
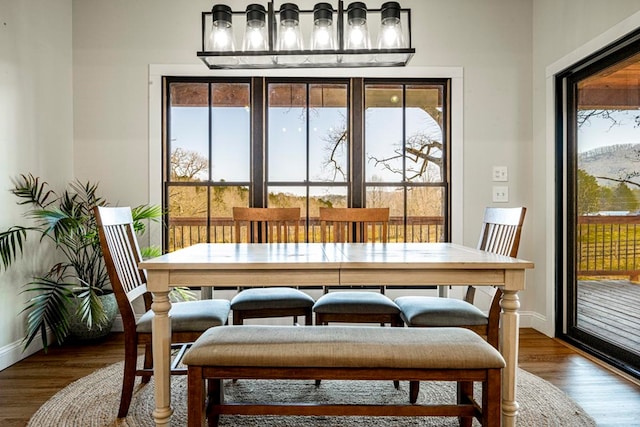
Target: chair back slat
pixel 501 230
pixel 122 255
pixel 266 225
pixel 359 225
pixel 500 234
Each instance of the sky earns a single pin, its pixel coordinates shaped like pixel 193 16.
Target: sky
pixel 600 132
pixel 287 133
pixel 287 139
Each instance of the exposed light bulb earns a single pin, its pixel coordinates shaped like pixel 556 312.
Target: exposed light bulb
pixel 357 38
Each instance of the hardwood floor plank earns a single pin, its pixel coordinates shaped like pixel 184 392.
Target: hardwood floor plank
pixel 610 399
pixel 600 392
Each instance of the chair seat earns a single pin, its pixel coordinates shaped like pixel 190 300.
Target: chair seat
pixel 190 316
pixel 355 302
pixel 271 298
pixel 439 312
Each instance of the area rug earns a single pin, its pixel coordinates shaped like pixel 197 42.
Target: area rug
pixel 93 401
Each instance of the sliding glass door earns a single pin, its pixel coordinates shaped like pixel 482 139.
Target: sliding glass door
pixel 601 102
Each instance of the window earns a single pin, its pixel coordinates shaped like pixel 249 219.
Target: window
pixel 308 143
pixel 307 149
pixel 404 157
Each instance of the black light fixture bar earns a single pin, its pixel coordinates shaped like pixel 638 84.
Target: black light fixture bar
pixel 272 57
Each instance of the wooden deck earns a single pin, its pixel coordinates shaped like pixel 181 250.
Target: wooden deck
pixel 610 309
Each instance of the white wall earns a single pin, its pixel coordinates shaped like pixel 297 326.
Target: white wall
pixel 564 31
pixel 36 133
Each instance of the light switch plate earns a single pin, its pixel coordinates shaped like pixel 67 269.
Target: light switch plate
pixel 500 173
pixel 500 194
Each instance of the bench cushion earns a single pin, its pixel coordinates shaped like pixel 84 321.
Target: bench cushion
pixel 191 316
pixel 342 347
pixel 278 297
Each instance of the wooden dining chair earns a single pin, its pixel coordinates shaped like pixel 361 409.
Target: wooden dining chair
pixel 500 234
pixel 363 225
pixel 269 225
pixel 189 319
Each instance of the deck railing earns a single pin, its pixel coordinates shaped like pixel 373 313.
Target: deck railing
pixel 609 246
pixel 185 231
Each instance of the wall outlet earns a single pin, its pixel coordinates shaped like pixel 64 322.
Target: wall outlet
pixel 500 173
pixel 500 194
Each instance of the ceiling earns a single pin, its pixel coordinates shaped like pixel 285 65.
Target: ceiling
pixel 614 88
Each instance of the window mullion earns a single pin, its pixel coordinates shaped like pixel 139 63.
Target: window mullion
pixel 258 141
pixel 210 155
pixel 356 143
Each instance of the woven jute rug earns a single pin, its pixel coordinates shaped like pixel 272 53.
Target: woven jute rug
pixel 93 401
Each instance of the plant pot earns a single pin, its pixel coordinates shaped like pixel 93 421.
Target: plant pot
pixel 78 329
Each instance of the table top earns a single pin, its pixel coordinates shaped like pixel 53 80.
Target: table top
pixel 261 256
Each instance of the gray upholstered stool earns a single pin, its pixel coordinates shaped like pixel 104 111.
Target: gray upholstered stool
pixel 439 312
pixel 190 316
pixel 260 303
pixel 356 307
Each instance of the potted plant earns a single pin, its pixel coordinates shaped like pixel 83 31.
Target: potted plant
pixel 78 285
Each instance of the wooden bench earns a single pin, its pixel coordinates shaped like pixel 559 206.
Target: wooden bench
pixel 343 353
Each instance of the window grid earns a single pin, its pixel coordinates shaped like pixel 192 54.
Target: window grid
pixel 210 223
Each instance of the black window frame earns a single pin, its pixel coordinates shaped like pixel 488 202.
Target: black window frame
pixel 258 184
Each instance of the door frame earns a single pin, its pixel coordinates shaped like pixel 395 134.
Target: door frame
pixel 565 150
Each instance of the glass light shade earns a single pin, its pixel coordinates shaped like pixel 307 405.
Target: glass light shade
pixel 391 35
pixel 255 34
pixel 221 36
pixel 322 37
pixel 289 35
pixel 357 30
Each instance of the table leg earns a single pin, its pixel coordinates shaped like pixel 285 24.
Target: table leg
pixel 509 348
pixel 161 332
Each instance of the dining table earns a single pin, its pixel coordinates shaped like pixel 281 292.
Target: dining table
pixel 332 264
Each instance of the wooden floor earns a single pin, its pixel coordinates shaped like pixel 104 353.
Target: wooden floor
pixel 610 399
pixel 610 310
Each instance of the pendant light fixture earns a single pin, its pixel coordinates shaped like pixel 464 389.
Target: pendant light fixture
pixel 338 37
pixel 322 37
pixel 255 33
pixel 390 35
pixel 357 30
pixel 221 34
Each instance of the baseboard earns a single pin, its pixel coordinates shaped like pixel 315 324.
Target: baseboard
pixel 541 324
pixel 13 353
pixel 528 319
pixel 118 326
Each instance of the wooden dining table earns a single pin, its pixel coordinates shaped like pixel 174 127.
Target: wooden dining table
pixel 334 264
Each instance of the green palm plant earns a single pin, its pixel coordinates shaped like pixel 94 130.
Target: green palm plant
pixel 67 221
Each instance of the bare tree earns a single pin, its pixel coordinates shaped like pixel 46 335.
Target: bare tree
pixel 421 151
pixel 335 141
pixel 187 165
